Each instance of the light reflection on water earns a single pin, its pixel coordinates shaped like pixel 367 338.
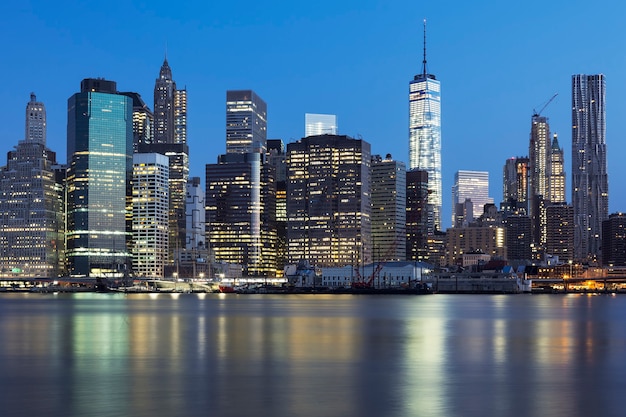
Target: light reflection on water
pixel 240 355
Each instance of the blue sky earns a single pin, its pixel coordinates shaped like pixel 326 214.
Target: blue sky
pixel 496 60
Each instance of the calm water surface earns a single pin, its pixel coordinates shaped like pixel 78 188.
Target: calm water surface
pixel 312 355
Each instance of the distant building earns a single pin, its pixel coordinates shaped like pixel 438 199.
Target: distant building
pixel 241 212
pixel 328 201
pixel 518 237
pixel 194 257
pixel 143 122
pixel 388 193
pixel 150 204
pixel 417 216
pixel 170 109
pixel 557 173
pixel 246 122
pixel 590 184
pixel 31 225
pixel 472 185
pixel 515 186
pixel 425 134
pixel 277 158
pixel 99 153
pixel 614 240
pixel 488 240
pixel 320 124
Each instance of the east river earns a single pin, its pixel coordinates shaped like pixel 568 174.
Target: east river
pixel 312 355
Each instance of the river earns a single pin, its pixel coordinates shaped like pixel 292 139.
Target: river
pixel 312 355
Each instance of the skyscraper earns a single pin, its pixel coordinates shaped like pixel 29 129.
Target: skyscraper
pixel 246 122
pixel 472 185
pixel 99 153
pixel 143 122
pixel 539 151
pixel 417 234
pixel 425 133
pixel 515 185
pixel 557 173
pixel 320 124
pixel 590 188
pixel 388 209
pixel 329 202
pixel 170 139
pixel 31 240
pixel 150 197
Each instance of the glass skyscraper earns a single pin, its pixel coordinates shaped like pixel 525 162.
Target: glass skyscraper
pixel 472 185
pixel 320 124
pixel 99 153
pixel 246 122
pixel 425 133
pixel 590 184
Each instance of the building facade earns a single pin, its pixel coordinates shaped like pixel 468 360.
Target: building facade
pixel 614 240
pixel 556 186
pixel 515 185
pixel 590 188
pixel 417 214
pixel 329 201
pixel 150 197
pixel 246 122
pixel 560 231
pixel 320 124
pixel 31 229
pixel 425 133
pixel 194 259
pixel 99 153
pixel 474 186
pixel 388 193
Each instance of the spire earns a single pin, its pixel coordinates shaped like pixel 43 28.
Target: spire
pixel 424 61
pixel 166 71
pixel 555 142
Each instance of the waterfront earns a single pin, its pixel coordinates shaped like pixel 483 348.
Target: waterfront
pixel 311 355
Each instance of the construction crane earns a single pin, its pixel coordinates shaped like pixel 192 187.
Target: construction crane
pixel 538 113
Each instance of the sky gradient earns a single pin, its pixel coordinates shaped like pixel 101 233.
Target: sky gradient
pixel 496 62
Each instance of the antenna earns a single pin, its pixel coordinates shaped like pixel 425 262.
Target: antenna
pixel 424 61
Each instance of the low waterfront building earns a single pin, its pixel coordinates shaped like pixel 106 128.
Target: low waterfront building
pixel 377 275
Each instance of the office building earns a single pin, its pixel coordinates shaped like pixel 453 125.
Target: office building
pixel 388 194
pixel 560 231
pixel 143 122
pixel 99 153
pixel 470 239
pixel 276 157
pixel 614 240
pixel 320 124
pixel 518 237
pixel 556 193
pixel 150 198
pixel 328 201
pixel 240 212
pixel 515 185
pixel 590 188
pixel 425 133
pixel 31 239
pixel 417 214
pixel 474 186
pixel 194 259
pixel 170 109
pixel 246 122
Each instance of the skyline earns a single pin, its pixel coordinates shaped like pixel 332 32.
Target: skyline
pixel 353 59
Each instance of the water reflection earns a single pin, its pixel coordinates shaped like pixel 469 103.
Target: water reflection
pixel 229 355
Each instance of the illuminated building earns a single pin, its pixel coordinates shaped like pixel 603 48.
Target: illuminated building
pixel 489 240
pixel 614 240
pixel 320 124
pixel 150 198
pixel 276 157
pixel 557 173
pixel 246 122
pixel 99 152
pixel 143 122
pixel 240 212
pixel 539 176
pixel 31 240
pixel 515 185
pixel 417 223
pixel 425 133
pixel 560 231
pixel 590 188
pixel 328 201
pixel 472 185
pixel 388 193
pixel 194 259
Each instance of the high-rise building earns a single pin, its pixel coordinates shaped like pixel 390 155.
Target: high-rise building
pixel 515 185
pixel 425 133
pixel 417 234
pixel 614 240
pixel 388 185
pixel 518 237
pixel 329 203
pixel 150 198
pixel 276 157
pixel 560 231
pixel 143 122
pixel 194 260
pixel 320 124
pixel 170 139
pixel 99 153
pixel 240 215
pixel 539 179
pixel 590 188
pixel 472 185
pixel 246 122
pixel 557 173
pixel 31 240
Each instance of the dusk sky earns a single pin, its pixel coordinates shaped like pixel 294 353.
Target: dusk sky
pixel 496 60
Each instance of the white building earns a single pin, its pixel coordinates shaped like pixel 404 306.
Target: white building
pixel 387 275
pixel 320 124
